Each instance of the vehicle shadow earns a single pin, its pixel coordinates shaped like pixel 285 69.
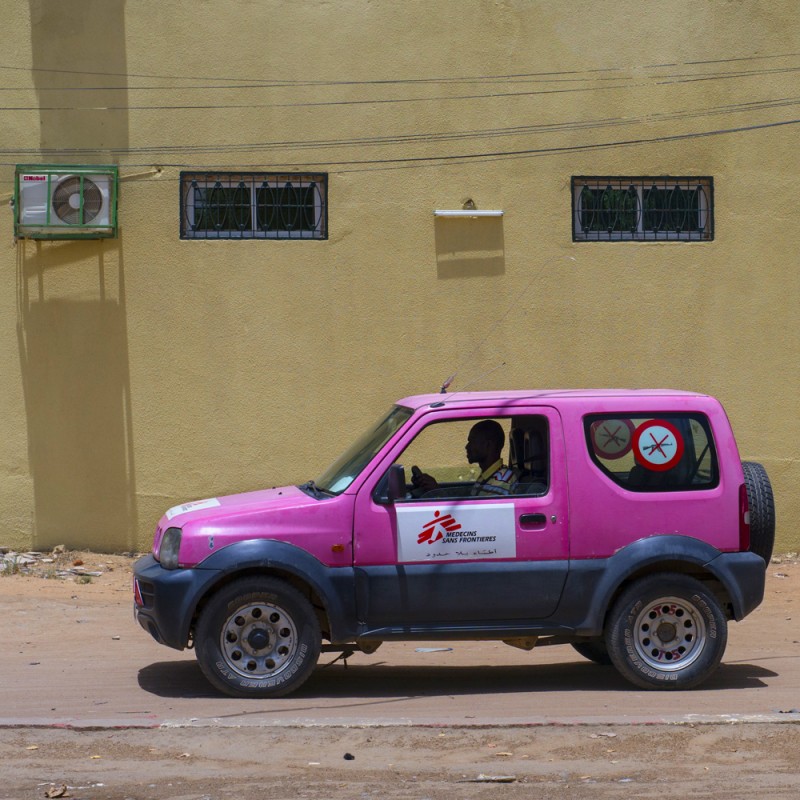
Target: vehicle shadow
pixel 183 679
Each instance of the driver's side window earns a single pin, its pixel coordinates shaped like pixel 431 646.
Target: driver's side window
pixel 448 469
pixel 439 451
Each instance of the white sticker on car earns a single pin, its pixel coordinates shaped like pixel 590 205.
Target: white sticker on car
pixel 455 532
pixel 197 505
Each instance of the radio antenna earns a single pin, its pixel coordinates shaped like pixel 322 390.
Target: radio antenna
pixel 495 326
pixel 485 374
pixel 446 384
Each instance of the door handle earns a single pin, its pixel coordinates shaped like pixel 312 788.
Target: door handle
pixel 532 519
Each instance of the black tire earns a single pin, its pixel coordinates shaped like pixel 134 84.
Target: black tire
pixel 595 650
pixel 257 637
pixel 666 631
pixel 762 509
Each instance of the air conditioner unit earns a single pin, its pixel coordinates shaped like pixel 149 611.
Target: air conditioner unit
pixel 65 202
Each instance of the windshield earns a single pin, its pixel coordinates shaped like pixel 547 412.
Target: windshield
pixel 346 468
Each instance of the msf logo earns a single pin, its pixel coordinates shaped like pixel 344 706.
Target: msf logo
pixel 438 528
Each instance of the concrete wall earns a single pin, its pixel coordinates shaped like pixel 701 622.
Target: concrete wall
pixel 145 370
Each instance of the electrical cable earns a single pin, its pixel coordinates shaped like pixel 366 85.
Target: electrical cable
pixel 380 81
pixel 653 80
pixel 421 138
pixel 497 155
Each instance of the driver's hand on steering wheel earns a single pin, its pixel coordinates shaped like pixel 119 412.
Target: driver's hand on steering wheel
pixel 423 481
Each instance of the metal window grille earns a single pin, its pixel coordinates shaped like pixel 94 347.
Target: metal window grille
pixel 642 209
pixel 228 205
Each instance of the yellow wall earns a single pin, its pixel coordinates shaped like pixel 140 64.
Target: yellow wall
pixel 145 370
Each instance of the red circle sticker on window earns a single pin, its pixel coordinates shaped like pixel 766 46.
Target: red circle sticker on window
pixel 657 445
pixel 611 438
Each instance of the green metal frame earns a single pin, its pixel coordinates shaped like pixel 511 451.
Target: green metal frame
pixel 66 231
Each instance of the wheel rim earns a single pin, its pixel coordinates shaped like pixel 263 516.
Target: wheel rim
pixel 258 640
pixel 669 634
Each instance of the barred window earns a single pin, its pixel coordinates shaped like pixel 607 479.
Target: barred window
pixel 234 205
pixel 642 209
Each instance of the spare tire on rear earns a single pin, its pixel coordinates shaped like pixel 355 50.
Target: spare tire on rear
pixel 762 509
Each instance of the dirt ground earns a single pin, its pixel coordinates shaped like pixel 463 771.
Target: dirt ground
pixel 717 758
pixel 716 761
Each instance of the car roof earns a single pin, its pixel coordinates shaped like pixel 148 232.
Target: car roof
pixel 562 395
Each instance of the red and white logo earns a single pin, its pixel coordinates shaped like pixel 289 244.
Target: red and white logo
pixel 439 527
pixel 33 178
pixel 455 531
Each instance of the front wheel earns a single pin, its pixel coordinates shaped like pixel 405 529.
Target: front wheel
pixel 666 631
pixel 257 637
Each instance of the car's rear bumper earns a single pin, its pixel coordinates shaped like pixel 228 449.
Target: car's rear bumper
pixel 743 575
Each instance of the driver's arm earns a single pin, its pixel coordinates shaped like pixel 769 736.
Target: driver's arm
pixel 421 480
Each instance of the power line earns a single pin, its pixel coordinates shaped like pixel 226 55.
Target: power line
pixel 545 151
pixel 422 138
pixel 512 78
pixel 378 81
pixel 441 160
pixel 311 104
pixel 215 107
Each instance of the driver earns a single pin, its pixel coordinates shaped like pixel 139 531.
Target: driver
pixel 484 447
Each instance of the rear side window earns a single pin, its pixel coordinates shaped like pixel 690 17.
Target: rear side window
pixel 654 452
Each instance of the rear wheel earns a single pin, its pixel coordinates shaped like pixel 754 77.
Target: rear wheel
pixel 666 631
pixel 762 509
pixel 258 637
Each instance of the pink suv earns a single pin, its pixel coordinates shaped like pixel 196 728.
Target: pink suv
pixel 620 522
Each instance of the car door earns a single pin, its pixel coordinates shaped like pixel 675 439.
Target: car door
pixel 445 560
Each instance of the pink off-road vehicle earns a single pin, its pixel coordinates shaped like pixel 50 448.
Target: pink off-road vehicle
pixel 623 523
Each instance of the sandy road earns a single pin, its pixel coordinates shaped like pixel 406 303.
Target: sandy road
pixel 708 761
pixel 86 698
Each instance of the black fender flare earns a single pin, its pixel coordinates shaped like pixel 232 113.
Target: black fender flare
pixel 742 575
pixel 335 586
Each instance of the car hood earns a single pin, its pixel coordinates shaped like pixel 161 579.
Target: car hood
pixel 284 513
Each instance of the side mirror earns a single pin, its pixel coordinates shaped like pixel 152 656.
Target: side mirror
pixel 396 487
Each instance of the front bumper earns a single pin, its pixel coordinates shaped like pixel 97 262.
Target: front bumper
pixel 169 599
